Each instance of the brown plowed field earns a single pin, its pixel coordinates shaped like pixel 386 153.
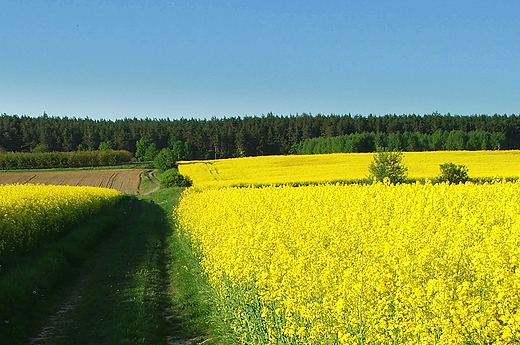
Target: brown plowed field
pixel 124 180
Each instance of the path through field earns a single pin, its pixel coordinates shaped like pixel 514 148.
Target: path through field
pixel 124 180
pixel 122 294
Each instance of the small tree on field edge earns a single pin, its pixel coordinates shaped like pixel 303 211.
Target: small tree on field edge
pixel 140 148
pixel 165 159
pixel 453 173
pixel 388 166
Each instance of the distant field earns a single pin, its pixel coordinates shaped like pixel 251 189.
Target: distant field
pixel 124 180
pixel 341 166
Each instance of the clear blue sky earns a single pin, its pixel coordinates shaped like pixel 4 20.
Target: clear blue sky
pixel 114 59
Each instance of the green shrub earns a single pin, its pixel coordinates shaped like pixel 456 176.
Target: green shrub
pixel 106 145
pixel 453 173
pixel 172 178
pixel 165 160
pixel 44 160
pixel 107 157
pixel 41 148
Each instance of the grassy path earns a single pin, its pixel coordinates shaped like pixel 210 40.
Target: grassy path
pixel 122 294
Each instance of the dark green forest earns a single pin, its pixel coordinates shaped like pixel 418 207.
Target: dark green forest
pixel 259 135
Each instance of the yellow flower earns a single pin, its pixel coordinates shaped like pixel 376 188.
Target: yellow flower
pixel 35 212
pixel 374 264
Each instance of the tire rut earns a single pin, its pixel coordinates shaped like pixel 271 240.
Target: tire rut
pixel 98 273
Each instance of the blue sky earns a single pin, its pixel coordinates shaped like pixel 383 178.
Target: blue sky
pixel 201 59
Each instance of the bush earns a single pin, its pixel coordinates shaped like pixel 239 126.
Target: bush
pixel 107 157
pixel 41 148
pixel 453 173
pixel 106 145
pixel 165 160
pixel 45 160
pixel 388 166
pixel 172 178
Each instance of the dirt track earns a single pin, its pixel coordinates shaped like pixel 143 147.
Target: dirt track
pixel 124 180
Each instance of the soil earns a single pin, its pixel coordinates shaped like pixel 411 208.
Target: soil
pixel 124 180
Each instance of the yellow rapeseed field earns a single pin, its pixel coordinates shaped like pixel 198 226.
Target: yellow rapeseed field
pixel 31 213
pixel 341 167
pixel 363 264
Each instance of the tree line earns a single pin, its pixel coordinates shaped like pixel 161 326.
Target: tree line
pixel 236 136
pixel 407 141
